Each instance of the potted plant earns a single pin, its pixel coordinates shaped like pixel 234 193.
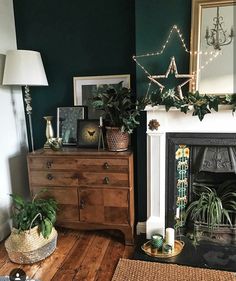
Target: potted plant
pixel 121 111
pixel 213 206
pixel 33 236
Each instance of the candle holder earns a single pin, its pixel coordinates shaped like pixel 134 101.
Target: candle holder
pixel 49 130
pixel 100 138
pixel 157 241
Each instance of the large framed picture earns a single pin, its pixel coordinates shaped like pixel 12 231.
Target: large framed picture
pixel 88 133
pixel 84 87
pixel 67 122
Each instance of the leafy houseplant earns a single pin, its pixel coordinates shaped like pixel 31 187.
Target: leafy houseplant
pixel 38 212
pixel 120 109
pixel 213 206
pixel 33 236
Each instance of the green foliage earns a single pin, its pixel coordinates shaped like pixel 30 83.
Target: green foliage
pixel 201 104
pixel 119 106
pixel 213 205
pixel 39 211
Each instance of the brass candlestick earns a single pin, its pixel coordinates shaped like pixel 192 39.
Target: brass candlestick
pixel 49 130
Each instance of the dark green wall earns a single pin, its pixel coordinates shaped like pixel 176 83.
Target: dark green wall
pixel 84 38
pixel 75 38
pixel 154 20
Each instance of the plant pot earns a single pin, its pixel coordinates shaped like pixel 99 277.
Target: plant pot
pixel 27 247
pixel 116 139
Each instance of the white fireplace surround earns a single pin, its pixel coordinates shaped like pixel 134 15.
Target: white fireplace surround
pixel 173 121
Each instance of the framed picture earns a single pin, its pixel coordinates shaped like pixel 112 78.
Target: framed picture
pixel 88 133
pixel 67 122
pixel 84 87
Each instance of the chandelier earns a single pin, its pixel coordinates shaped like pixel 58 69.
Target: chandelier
pixel 217 36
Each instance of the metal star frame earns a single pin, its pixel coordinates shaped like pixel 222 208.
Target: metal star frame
pixel 172 69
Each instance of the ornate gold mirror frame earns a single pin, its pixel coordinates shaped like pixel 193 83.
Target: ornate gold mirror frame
pixel 213 67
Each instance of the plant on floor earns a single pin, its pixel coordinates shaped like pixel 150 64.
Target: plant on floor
pixel 213 205
pixel 38 212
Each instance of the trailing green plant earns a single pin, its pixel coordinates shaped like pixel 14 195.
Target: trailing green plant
pixel 212 205
pixel 201 104
pixel 119 106
pixel 38 212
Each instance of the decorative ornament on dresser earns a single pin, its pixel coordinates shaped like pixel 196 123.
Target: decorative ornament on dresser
pixel 121 111
pixel 49 130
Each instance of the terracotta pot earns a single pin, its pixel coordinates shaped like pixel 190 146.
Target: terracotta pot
pixel 116 139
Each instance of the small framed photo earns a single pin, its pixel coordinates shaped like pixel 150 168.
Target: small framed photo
pixel 88 133
pixel 67 122
pixel 84 87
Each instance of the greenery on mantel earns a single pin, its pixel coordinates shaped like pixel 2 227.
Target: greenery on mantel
pixel 201 104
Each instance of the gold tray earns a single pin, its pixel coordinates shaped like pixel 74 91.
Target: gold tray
pixel 146 247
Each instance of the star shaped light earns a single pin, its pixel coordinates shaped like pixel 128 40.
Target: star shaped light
pixel 172 69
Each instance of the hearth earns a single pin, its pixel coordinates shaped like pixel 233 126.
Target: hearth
pixel 205 255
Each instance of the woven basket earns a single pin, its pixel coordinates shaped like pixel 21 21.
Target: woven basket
pixel 116 139
pixel 30 246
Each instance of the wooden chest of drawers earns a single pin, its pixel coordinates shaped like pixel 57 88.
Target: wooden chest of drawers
pixel 94 189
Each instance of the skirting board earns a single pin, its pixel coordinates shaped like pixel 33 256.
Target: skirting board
pixel 141 227
pixel 4 230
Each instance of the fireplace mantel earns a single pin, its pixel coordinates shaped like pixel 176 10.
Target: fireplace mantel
pixel 222 121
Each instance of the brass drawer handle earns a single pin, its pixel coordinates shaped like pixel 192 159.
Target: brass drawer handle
pixel 49 177
pixel 106 180
pixel 106 166
pixel 82 204
pixel 49 164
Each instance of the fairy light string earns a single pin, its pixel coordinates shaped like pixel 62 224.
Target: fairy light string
pixel 213 55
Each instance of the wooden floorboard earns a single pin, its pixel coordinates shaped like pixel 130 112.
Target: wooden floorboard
pixel 80 256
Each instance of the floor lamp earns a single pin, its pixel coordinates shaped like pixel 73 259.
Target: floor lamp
pixel 25 68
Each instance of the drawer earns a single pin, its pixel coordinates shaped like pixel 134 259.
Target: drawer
pixel 112 165
pixel 67 199
pixel 50 163
pixel 104 179
pixel 52 178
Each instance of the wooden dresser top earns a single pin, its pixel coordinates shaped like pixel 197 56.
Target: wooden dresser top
pixel 72 151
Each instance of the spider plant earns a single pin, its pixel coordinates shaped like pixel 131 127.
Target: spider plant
pixel 213 205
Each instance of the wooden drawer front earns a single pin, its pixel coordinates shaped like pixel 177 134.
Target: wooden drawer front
pixel 67 200
pixel 104 206
pixel 105 179
pixel 53 178
pixel 110 165
pixel 41 163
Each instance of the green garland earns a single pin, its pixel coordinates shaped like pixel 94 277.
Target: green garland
pixel 202 104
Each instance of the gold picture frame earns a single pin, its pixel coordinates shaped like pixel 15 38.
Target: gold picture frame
pixel 213 74
pixel 84 87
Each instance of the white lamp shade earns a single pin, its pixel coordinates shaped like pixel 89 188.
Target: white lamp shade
pixel 24 67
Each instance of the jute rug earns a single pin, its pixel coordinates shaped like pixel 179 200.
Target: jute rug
pixel 134 270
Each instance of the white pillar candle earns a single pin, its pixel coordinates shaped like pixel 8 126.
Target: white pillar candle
pixel 170 237
pixel 177 213
pixel 100 123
